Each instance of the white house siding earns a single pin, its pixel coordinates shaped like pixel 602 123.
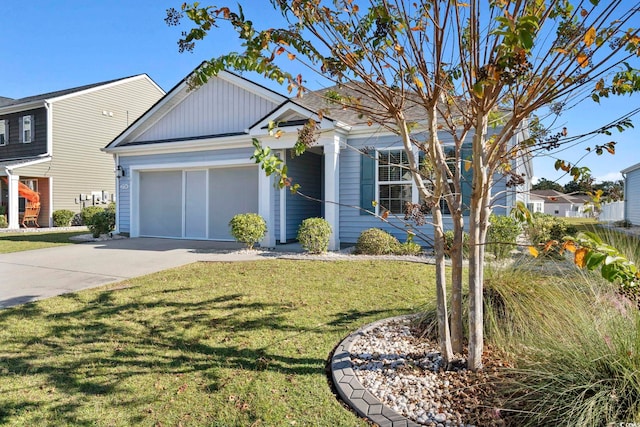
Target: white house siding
pixel 218 107
pixel 85 123
pixel 632 196
pixel 197 160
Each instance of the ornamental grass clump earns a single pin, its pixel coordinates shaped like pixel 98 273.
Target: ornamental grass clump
pixel 576 347
pixel 314 234
pixel 248 228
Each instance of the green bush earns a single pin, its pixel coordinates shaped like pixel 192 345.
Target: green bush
pixel 103 222
pixel 62 217
pixel 375 241
pixel 314 234
pixel 544 228
pixel 502 235
pixel 248 228
pixel 448 243
pixel 409 248
pixel 88 212
pixel 3 222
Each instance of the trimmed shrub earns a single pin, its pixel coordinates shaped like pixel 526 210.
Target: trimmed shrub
pixel 88 212
pixel 103 222
pixel 502 235
pixel 314 234
pixel 62 217
pixel 248 228
pixel 3 222
pixel 375 241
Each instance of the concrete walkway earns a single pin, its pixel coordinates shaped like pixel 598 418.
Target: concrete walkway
pixel 33 275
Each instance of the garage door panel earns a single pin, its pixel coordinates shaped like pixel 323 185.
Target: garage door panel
pixel 231 191
pixel 195 209
pixel 161 204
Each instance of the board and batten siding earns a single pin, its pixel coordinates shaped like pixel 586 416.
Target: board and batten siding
pixel 179 161
pixel 87 122
pixel 305 170
pixel 216 108
pixel 632 196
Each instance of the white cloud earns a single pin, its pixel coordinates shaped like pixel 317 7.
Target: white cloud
pixel 611 176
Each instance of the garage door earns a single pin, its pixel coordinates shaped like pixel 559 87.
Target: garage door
pixel 177 203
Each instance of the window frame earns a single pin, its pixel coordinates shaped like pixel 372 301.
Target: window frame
pixel 23 130
pixel 4 135
pixel 413 187
pixel 415 195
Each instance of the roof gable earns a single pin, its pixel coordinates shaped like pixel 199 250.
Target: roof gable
pixel 226 104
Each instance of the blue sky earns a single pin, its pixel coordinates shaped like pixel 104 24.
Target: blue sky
pixel 57 44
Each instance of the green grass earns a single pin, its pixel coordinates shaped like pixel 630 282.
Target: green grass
pixel 27 241
pixel 209 344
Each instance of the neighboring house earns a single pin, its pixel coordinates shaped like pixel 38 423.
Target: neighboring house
pixel 51 143
pixel 187 167
pixel 632 193
pixel 559 204
pixel 536 203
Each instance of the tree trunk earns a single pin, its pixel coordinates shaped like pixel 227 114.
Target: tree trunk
pixel 457 335
pixel 444 335
pixel 476 224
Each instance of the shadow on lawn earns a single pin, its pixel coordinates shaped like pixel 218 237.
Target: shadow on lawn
pixel 97 347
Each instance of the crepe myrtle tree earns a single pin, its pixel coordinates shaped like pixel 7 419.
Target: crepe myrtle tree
pixel 459 67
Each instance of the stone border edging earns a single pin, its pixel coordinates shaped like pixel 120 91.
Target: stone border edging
pixel 353 393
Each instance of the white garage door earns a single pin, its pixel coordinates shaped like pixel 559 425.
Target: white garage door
pixel 177 204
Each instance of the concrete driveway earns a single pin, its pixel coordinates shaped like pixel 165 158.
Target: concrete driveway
pixel 33 275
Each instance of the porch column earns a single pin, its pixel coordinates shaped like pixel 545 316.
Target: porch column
pixel 332 190
pixel 12 210
pixel 265 204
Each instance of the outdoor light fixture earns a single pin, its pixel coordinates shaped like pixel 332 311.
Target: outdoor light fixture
pixel 120 172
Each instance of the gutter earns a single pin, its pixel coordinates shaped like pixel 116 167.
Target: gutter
pixel 48 105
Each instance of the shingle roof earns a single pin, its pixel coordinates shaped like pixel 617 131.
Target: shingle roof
pixel 4 100
pixel 323 100
pixel 49 95
pixel 553 196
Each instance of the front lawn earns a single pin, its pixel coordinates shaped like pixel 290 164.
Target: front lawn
pixel 26 241
pixel 209 344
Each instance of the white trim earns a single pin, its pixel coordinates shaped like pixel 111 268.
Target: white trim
pixel 220 143
pixel 252 87
pixel 332 189
pixel 630 169
pixel 283 205
pixel 51 207
pixel 257 128
pixel 29 163
pixel 105 86
pixel 18 108
pixel 192 165
pixel 134 188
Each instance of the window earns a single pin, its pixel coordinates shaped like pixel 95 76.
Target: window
pixel 4 132
pixel 27 129
pixel 394 180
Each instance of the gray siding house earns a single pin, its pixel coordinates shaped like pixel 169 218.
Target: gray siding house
pixel 632 193
pixel 52 144
pixel 187 167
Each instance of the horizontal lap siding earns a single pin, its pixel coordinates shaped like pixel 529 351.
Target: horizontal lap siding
pixel 80 130
pixel 352 223
pixel 632 199
pixel 15 148
pixel 215 108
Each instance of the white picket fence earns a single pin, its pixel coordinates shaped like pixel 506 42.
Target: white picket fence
pixel 611 212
